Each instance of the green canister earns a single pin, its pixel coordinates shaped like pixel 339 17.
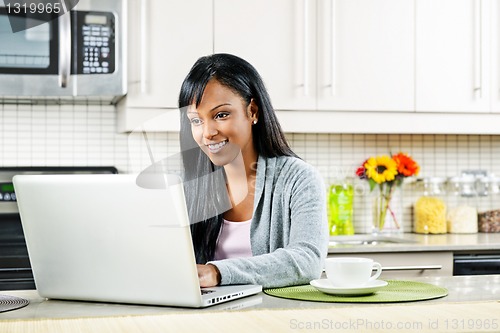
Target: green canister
pixel 340 208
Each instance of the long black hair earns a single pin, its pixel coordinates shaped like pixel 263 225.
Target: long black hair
pixel 204 186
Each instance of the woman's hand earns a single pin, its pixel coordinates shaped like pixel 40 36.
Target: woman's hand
pixel 208 275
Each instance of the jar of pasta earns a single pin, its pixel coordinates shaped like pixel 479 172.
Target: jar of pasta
pixel 430 207
pixel 462 205
pixel 489 204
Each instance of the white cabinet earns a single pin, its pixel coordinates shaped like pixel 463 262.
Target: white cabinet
pixel 453 55
pixel 343 66
pixel 324 54
pixel 277 37
pixel 165 39
pixel 366 55
pixel 495 56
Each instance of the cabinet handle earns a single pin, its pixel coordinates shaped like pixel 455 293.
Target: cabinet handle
pixel 64 67
pixel 478 64
pixel 333 56
pixel 143 51
pixel 306 48
pixel 411 268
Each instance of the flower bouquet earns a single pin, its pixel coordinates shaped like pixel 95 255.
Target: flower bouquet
pixel 387 173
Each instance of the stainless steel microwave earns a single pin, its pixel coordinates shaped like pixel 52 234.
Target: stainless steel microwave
pixel 77 52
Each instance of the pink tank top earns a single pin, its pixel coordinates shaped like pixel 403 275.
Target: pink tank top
pixel 234 240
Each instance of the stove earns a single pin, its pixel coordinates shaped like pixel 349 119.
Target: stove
pixel 15 268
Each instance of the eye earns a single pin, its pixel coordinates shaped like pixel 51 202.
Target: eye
pixel 195 121
pixel 221 115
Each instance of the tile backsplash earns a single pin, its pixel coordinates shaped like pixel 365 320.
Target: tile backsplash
pixel 85 135
pixel 337 155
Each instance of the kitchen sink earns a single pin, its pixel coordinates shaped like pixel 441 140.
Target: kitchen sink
pixel 368 240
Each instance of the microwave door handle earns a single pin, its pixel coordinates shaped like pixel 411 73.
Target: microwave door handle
pixel 64 49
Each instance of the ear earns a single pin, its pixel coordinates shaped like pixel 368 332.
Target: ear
pixel 253 110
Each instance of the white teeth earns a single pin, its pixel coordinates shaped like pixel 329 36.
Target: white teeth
pixel 217 145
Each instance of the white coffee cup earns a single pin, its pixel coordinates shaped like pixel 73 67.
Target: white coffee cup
pixel 351 272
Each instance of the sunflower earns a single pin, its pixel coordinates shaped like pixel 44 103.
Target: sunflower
pixel 406 165
pixel 381 169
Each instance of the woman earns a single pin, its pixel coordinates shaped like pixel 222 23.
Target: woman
pixel 257 211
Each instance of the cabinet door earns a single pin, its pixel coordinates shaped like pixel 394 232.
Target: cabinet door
pixel 495 57
pixel 166 40
pixel 278 38
pixel 452 47
pixel 366 55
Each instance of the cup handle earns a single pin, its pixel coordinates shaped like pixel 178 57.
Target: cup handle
pixel 379 271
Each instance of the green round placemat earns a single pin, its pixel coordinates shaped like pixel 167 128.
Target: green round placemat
pixel 395 291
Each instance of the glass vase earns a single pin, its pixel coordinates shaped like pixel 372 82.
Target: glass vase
pixel 388 209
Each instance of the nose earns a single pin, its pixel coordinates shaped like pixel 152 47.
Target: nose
pixel 209 130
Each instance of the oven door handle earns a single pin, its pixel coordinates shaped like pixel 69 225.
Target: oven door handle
pixel 478 261
pixel 64 48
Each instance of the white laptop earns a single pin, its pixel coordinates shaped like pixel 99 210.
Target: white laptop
pixel 104 238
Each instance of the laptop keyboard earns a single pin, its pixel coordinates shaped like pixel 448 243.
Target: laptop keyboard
pixel 206 291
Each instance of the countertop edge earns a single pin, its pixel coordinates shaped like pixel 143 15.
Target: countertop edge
pixel 423 243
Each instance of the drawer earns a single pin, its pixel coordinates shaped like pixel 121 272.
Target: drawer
pixel 403 265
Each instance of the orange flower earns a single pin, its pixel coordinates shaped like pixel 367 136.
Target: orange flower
pixel 406 165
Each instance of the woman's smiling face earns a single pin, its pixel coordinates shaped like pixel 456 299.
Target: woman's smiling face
pixel 222 124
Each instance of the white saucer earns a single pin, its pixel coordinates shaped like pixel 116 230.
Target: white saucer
pixel 324 285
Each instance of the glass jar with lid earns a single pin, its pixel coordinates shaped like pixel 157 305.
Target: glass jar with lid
pixel 462 205
pixel 430 207
pixel 489 204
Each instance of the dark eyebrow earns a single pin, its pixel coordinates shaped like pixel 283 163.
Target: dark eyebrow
pixel 211 110
pixel 218 106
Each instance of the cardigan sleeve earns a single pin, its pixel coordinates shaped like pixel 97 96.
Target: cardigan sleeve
pixel 301 258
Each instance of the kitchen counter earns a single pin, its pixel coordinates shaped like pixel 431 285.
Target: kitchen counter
pixel 419 242
pixel 474 299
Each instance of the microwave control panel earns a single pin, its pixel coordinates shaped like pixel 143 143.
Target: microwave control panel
pixel 96 42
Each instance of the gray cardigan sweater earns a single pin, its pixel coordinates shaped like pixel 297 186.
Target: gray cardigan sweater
pixel 289 229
